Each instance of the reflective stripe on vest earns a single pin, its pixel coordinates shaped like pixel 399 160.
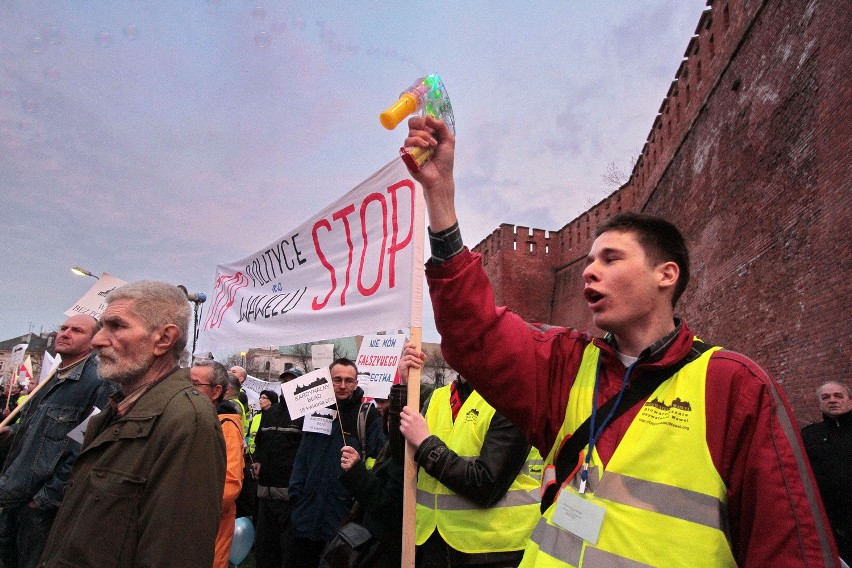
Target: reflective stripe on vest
pixel 453 502
pixel 464 525
pixel 665 502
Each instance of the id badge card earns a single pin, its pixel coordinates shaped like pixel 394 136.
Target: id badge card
pixel 579 516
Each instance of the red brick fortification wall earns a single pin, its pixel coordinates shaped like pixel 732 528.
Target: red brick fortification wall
pixel 520 264
pixel 751 156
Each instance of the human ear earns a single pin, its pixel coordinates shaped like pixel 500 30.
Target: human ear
pixel 166 338
pixel 667 275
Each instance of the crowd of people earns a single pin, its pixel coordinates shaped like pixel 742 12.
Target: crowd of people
pixel 552 448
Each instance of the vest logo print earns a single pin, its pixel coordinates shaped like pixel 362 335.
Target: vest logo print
pixel 657 413
pixel 471 415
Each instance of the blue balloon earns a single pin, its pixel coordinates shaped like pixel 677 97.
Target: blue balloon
pixel 243 539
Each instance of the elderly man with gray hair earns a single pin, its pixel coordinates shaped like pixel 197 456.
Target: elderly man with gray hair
pixel 147 487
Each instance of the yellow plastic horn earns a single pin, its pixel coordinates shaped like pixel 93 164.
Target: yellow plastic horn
pixel 395 114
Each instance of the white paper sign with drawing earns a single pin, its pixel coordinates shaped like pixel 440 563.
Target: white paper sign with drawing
pixel 308 392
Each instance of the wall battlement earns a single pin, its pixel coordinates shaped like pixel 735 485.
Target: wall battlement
pixel 718 34
pixel 749 157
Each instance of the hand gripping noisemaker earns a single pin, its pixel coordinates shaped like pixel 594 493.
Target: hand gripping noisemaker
pixel 428 96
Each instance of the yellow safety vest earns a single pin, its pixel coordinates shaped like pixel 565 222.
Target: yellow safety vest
pixel 252 433
pixel 244 418
pixel 664 501
pixel 465 526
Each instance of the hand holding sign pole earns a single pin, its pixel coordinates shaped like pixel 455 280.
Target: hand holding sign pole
pixel 427 95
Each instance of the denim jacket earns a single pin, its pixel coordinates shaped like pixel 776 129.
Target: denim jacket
pixel 41 454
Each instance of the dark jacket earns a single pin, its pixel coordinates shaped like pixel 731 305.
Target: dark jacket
pixel 41 455
pixel 320 502
pixel 379 492
pixel 147 487
pixel 829 447
pixel 276 445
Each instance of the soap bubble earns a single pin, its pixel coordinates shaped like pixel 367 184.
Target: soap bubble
pixel 104 39
pixel 262 39
pixel 131 32
pixel 51 74
pixel 278 27
pixel 259 12
pixel 30 106
pixel 53 35
pixel 36 44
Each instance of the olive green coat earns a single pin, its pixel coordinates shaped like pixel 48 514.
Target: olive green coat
pixel 147 488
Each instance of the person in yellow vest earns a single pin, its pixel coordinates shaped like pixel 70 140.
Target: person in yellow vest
pixel 478 484
pixel 232 395
pixel 241 374
pixel 661 451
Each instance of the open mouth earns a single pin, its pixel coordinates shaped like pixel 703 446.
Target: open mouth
pixel 592 296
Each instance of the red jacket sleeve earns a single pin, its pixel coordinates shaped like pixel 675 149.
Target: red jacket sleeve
pixel 529 376
pixel 776 515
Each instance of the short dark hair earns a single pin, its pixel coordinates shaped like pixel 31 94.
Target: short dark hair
pixel 345 362
pixel 220 375
pixel 660 239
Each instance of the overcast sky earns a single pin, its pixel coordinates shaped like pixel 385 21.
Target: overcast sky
pixel 157 139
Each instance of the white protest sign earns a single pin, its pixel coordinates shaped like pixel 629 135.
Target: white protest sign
pixel 377 362
pixel 320 421
pixel 17 357
pixel 93 302
pixel 254 386
pixel 308 392
pixel 350 268
pixel 322 355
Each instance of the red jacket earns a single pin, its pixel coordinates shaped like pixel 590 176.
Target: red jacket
pixel 776 517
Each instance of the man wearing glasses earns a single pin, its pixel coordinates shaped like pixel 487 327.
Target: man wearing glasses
pixel 211 379
pixel 320 502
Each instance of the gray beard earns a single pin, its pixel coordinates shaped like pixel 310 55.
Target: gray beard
pixel 126 376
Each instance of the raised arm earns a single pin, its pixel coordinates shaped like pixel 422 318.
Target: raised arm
pixel 436 176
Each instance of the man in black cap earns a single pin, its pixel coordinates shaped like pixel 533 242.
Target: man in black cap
pixel 275 449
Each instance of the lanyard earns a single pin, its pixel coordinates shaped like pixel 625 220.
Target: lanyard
pixel 594 436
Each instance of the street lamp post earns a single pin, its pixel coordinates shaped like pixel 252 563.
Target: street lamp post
pixel 83 272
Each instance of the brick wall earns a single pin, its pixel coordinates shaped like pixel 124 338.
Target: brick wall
pixel 750 157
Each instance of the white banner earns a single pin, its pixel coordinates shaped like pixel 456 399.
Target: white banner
pixel 308 392
pixel 377 362
pixel 349 270
pixel 93 302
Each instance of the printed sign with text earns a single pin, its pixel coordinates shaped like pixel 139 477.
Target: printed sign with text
pixel 377 363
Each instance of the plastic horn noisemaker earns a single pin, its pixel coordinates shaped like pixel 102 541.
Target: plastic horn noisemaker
pixel 427 96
